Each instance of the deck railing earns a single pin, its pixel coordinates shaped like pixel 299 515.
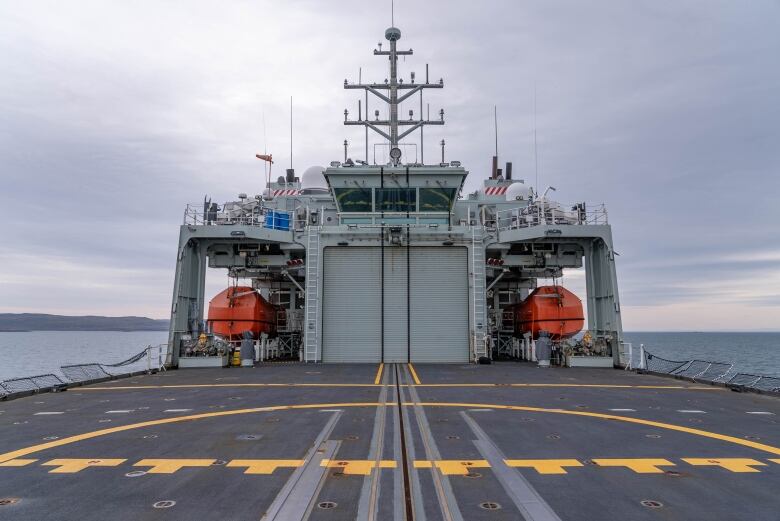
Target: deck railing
pixel 545 212
pixel 250 214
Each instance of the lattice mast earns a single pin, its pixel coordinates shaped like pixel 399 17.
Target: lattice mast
pixel 393 100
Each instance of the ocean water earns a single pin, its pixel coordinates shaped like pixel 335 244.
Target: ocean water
pixel 38 352
pixel 755 353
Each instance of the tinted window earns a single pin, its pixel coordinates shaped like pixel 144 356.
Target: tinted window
pixel 396 200
pixel 353 199
pixel 436 199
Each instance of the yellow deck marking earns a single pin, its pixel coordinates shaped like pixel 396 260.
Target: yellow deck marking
pixel 379 374
pixel 264 466
pixel 414 374
pixel 365 467
pixel 199 386
pixel 176 419
pixel 452 467
pixel 732 464
pixel 594 386
pixel 71 465
pixel 361 467
pixel 17 462
pixel 669 426
pixel 529 385
pixel 169 466
pixel 638 465
pixel 544 466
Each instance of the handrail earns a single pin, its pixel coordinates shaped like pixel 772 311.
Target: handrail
pixel 544 212
pixel 250 214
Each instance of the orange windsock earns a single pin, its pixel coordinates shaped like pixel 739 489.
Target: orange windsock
pixel 265 157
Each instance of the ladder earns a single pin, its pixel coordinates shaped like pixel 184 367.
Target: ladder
pixel 479 305
pixel 312 322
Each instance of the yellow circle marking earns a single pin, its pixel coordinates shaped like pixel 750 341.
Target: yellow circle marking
pixel 176 419
pixel 594 386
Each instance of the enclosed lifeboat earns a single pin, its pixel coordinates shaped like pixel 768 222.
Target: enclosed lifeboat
pixel 554 309
pixel 238 309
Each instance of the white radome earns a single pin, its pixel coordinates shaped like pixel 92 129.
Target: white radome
pixel 518 192
pixel 312 178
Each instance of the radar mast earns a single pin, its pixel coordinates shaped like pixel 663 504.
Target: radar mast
pixel 394 100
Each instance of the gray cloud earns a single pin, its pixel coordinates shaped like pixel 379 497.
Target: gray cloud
pixel 114 116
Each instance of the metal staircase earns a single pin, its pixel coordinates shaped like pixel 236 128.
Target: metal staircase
pixel 478 305
pixel 312 323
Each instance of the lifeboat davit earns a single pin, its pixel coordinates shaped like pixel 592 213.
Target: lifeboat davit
pixel 554 309
pixel 238 309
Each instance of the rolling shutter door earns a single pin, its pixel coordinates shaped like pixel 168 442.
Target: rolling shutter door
pixel 439 304
pixel 351 305
pixel 395 315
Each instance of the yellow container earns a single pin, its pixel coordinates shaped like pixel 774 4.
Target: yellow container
pixel 236 361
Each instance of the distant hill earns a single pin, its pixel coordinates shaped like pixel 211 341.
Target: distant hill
pixel 41 322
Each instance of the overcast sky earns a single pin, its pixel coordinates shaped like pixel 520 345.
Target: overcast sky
pixel 114 115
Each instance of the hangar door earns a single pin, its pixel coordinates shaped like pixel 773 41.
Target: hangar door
pixel 439 305
pixel 351 305
pixel 397 305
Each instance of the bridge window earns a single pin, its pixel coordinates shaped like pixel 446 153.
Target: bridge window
pixel 353 199
pixel 396 199
pixel 436 199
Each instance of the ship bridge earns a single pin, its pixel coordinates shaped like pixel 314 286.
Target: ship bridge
pixel 389 260
pixel 411 195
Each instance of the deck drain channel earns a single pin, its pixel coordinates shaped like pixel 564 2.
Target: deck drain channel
pixel 404 459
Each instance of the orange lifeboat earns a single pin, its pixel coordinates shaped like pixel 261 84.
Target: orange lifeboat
pixel 238 309
pixel 554 309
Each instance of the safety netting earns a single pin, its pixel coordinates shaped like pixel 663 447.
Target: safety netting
pixel 30 383
pixel 150 358
pixel 82 372
pixel 659 364
pixel 708 371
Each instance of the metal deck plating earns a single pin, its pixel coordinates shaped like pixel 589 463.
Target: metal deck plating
pixel 391 442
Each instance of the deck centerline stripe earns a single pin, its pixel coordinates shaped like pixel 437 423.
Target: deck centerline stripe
pixel 379 374
pixel 162 421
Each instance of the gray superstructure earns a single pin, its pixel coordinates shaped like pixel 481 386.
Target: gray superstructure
pixel 392 262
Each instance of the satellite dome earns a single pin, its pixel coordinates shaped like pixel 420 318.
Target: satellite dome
pixel 393 33
pixel 312 178
pixel 517 192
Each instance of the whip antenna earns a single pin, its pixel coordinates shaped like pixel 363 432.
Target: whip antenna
pixel 536 161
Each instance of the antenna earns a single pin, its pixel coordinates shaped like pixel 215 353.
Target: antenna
pixel 495 126
pixel 291 135
pixel 392 13
pixel 536 161
pixel 396 91
pixel 265 152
